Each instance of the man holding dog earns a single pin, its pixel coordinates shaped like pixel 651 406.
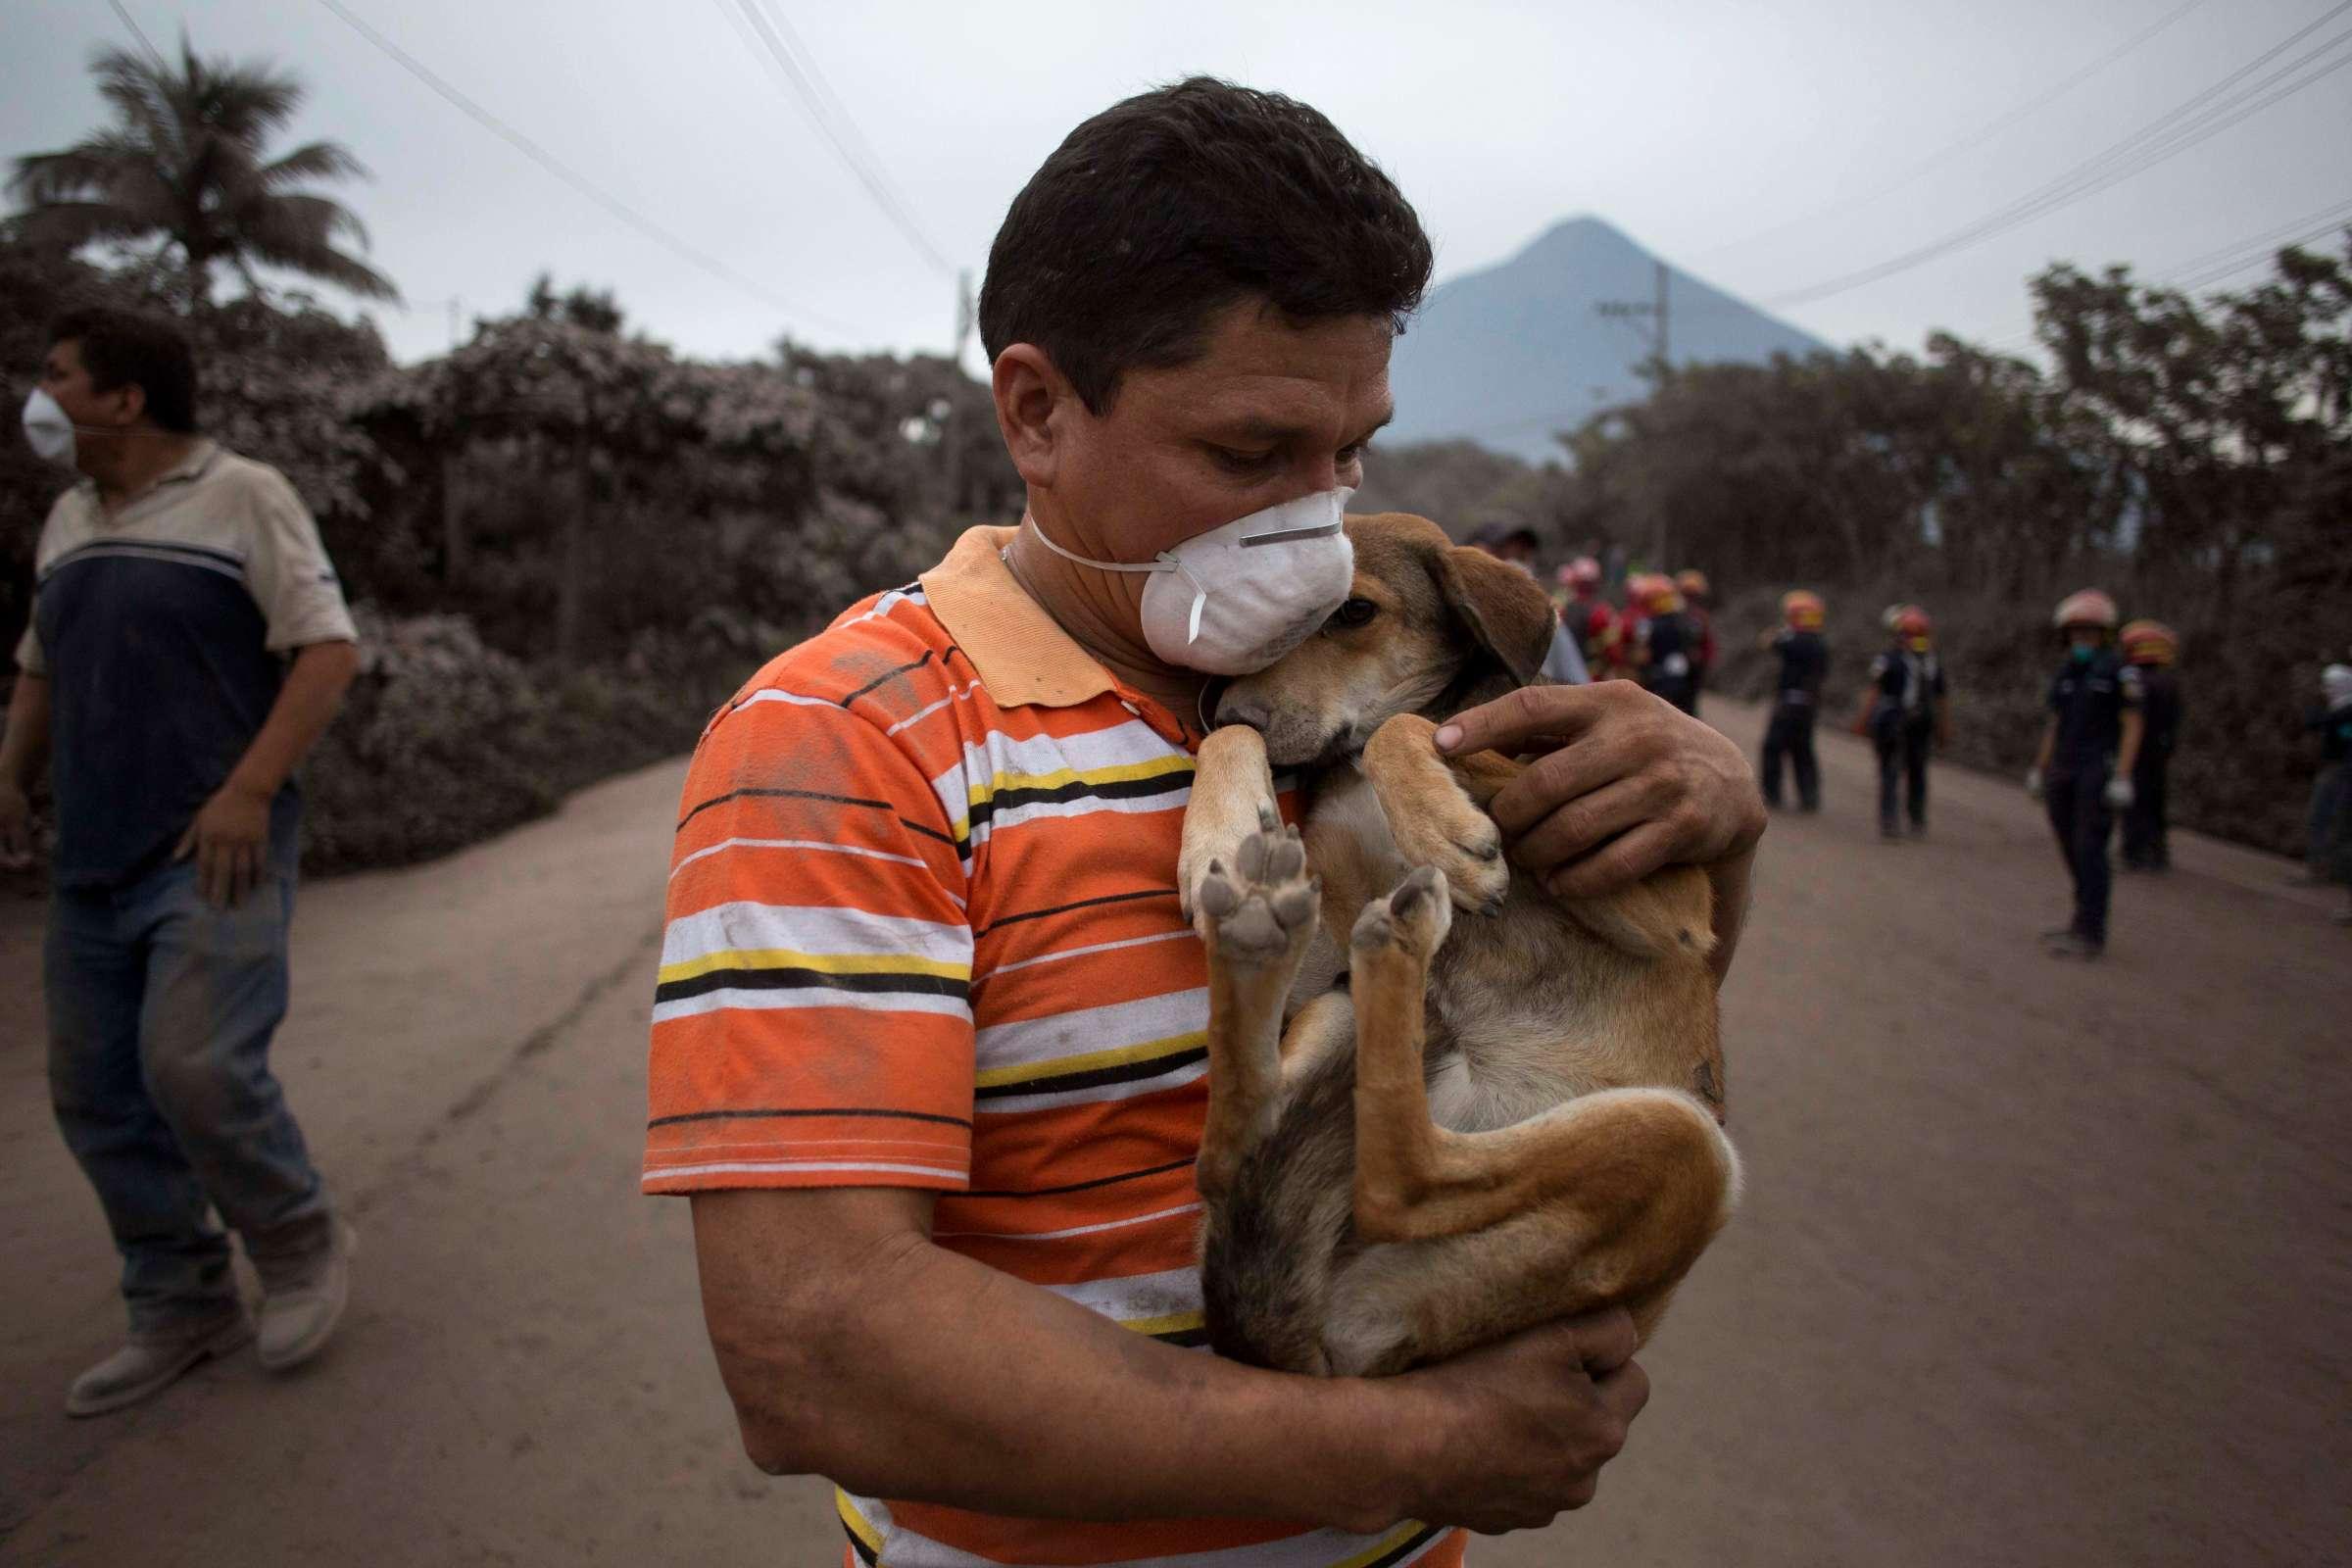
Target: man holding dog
pixel 927 1044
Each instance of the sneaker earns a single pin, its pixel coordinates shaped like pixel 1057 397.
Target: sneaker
pixel 1891 833
pixel 152 1363
pixel 2075 944
pixel 299 1315
pixel 2056 932
pixel 1919 830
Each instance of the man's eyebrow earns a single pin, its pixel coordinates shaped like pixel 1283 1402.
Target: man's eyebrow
pixel 1274 433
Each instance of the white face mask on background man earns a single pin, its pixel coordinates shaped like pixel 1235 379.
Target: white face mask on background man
pixel 47 429
pixel 1234 600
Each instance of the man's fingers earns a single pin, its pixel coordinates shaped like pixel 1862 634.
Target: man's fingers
pixel 1605 1340
pixel 240 873
pixel 1583 825
pixel 1512 721
pixel 187 842
pixel 1625 1390
pixel 1618 864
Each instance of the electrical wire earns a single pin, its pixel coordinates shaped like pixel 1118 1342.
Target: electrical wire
pixel 1973 139
pixel 140 33
pixel 798 69
pixel 2202 115
pixel 577 180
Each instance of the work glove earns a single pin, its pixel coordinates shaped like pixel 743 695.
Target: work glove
pixel 2034 783
pixel 2120 794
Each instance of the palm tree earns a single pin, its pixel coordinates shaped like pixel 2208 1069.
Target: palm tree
pixel 183 162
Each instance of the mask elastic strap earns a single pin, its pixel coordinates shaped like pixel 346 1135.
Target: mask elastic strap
pixel 1163 562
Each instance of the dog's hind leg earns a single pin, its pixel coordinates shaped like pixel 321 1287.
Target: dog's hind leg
pixel 1256 918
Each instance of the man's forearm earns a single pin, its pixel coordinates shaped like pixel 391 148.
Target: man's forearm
pixel 2127 754
pixel 25 744
pixel 944 1381
pixel 305 705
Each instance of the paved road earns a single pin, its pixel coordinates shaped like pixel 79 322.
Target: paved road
pixel 2040 1264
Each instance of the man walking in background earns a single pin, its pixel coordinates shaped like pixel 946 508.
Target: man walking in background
pixel 2083 770
pixel 1904 715
pixel 189 642
pixel 2332 722
pixel 2150 648
pixel 1697 597
pixel 1796 698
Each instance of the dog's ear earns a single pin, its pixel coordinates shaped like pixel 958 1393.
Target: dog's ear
pixel 1503 610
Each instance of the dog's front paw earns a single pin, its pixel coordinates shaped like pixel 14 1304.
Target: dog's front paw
pixel 1414 919
pixel 1461 841
pixel 1262 910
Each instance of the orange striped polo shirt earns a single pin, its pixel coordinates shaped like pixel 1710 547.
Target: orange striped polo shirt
pixel 923 932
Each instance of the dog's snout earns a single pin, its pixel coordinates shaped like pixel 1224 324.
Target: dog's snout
pixel 1233 709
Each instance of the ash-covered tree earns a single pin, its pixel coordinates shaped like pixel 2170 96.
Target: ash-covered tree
pixel 185 180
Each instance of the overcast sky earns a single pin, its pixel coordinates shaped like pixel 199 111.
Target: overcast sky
pixel 1697 128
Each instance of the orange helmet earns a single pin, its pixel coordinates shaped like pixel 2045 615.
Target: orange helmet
pixel 1582 572
pixel 1692 584
pixel 1803 611
pixel 2149 642
pixel 2089 608
pixel 1912 621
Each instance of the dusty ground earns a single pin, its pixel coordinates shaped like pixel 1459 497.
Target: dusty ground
pixel 2040 1264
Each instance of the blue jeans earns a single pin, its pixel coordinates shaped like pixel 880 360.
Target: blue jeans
pixel 161 1009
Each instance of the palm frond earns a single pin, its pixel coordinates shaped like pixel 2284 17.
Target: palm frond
pixel 318 259
pixel 69 225
pixel 297 219
pixel 321 159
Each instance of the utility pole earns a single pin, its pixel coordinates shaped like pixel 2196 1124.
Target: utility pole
pixel 1661 348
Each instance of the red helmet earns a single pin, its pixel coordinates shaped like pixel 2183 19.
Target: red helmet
pixel 2089 608
pixel 1582 572
pixel 1803 611
pixel 1692 584
pixel 2149 642
pixel 1912 621
pixel 1653 594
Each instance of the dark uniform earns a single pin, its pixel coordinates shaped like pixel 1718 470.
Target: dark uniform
pixel 1673 668
pixel 1903 726
pixel 1804 661
pixel 2089 700
pixel 2147 844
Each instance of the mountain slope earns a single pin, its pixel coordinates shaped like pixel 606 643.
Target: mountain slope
pixel 1508 356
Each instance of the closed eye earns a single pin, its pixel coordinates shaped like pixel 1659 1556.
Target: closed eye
pixel 1354 612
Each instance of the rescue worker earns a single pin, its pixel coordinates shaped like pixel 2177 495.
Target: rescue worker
pixel 1599 633
pixel 1905 713
pixel 1796 701
pixel 2332 721
pixel 2150 646
pixel 1696 597
pixel 2083 770
pixel 1664 647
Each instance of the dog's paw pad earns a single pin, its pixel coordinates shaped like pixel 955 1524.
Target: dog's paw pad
pixel 1413 919
pixel 1264 909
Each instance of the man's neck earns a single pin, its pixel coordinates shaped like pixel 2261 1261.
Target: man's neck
pixel 1100 615
pixel 142 456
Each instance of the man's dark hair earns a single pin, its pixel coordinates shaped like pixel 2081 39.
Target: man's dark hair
pixel 1168 207
pixel 120 348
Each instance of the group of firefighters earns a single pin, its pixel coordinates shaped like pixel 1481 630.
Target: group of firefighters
pixel 2106 749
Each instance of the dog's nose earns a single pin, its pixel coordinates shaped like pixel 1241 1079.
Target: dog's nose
pixel 1244 711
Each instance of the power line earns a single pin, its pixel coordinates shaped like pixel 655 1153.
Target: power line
pixel 577 181
pixel 2195 119
pixel 140 33
pixel 832 120
pixel 1974 138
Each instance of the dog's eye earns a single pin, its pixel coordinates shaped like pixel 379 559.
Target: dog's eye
pixel 1355 612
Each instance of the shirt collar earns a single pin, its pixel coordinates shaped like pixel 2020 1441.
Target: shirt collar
pixel 191 467
pixel 1022 656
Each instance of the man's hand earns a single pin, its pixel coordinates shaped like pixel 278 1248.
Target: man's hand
pixel 15 826
pixel 229 839
pixel 1630 784
pixel 2121 794
pixel 1521 1428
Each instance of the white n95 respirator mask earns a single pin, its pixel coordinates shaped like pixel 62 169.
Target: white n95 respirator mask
pixel 1233 599
pixel 47 429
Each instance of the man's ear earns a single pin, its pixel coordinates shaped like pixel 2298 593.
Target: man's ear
pixel 1034 405
pixel 1505 612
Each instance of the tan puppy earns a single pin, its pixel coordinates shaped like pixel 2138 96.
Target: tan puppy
pixel 1498 1117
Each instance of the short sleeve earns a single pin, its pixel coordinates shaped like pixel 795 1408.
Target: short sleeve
pixel 2129 689
pixel 288 572
pixel 1878 668
pixel 812 1021
pixel 30 658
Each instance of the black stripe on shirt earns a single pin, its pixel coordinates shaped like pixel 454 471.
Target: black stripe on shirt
pixel 807 1110
pixel 1125 1072
pixel 1065 909
pixel 1079 1187
pixel 785 979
